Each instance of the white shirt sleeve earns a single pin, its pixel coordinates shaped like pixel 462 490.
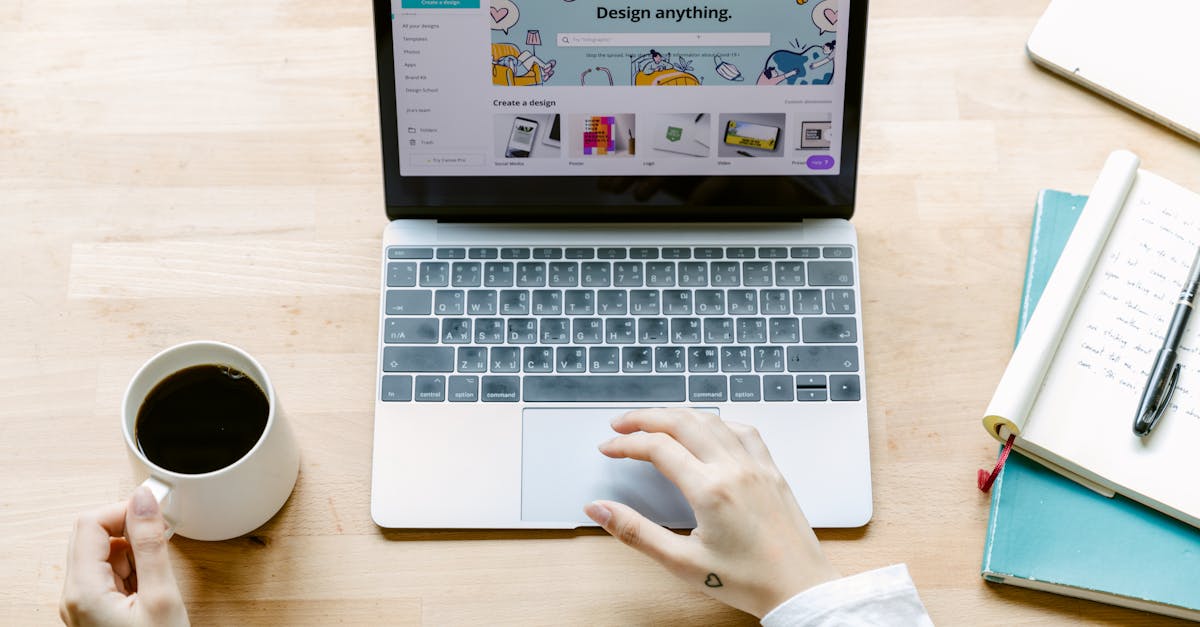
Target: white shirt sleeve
pixel 879 597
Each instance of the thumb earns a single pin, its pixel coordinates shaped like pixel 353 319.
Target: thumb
pixel 144 528
pixel 636 531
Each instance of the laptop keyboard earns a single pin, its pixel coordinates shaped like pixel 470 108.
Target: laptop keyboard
pixel 616 324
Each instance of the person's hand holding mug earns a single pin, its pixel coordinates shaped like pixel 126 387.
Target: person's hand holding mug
pixel 752 547
pixel 118 570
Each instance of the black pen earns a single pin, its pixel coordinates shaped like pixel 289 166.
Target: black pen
pixel 1165 373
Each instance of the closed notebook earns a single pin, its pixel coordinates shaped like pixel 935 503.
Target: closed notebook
pixel 1074 382
pixel 1049 533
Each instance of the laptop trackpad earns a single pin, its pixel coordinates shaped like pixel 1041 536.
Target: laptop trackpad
pixel 562 471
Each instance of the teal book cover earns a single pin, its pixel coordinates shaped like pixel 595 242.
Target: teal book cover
pixel 1049 533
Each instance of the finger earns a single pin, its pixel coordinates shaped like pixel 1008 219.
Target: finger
pixel 685 425
pixel 144 529
pixel 752 441
pixel 89 542
pixel 668 456
pixel 638 532
pixel 118 557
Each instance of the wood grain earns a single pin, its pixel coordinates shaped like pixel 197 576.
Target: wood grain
pixel 175 171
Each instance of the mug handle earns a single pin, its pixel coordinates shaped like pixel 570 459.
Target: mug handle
pixel 162 494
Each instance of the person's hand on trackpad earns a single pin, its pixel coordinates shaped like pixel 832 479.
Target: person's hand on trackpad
pixel 752 547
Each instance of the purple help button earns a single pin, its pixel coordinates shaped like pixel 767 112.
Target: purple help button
pixel 820 162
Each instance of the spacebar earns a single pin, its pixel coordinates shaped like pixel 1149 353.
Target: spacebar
pixel 594 389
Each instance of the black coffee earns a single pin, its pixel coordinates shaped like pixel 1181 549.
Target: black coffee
pixel 201 419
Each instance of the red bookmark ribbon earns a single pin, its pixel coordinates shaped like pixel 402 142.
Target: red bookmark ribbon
pixel 986 479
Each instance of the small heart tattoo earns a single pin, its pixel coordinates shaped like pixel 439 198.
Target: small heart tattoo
pixel 713 581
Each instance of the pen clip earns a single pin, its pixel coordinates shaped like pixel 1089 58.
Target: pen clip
pixel 1162 399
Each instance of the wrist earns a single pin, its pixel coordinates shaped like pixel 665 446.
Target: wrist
pixel 785 588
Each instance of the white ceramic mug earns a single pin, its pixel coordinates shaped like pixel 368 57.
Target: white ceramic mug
pixel 233 500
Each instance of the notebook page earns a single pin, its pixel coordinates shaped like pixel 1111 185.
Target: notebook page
pixel 1084 413
pixel 1014 396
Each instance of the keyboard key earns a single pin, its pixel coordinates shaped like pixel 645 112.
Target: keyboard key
pixel 637 359
pixel 812 381
pixel 784 330
pixel 498 274
pixel 547 303
pixel 466 274
pixel 806 302
pixel 522 331
pixel 418 359
pixel 777 252
pixel 806 252
pixel 464 389
pixel 710 302
pixel 396 389
pixel 603 389
pixel 822 358
pixel 744 389
pixel 703 358
pixel 402 274
pixel 838 330
pixel 831 273
pixel 505 359
pixel 571 359
pixel 410 253
pixel 604 359
pixel 669 359
pixel 653 331
pixel 483 253
pixel 531 274
pixel 768 359
pixel 579 302
pixel 595 274
pixel 410 331
pixel 456 331
pixel 743 302
pixel 564 274
pixel 556 331
pixel 644 302
pixel 489 331
pixel 709 252
pixel 587 330
pixel 429 389
pixel 547 253
pixel 435 274
pixel 844 388
pixel 775 302
pixel 580 253
pixel 620 331
pixel 718 330
pixel 789 273
pixel 514 302
pixel 811 396
pixel 708 389
pixel 501 389
pixel 452 253
pixel 627 274
pixel 739 253
pixel 482 302
pixel 660 274
pixel 408 302
pixel 514 253
pixel 751 331
pixel 693 274
pixel 643 253
pixel 685 330
pixel 676 253
pixel 735 359
pixel 778 388
pixel 450 302
pixel 837 252
pixel 839 301
pixel 677 302
pixel 611 253
pixel 725 274
pixel 612 302
pixel 472 359
pixel 538 359
pixel 756 274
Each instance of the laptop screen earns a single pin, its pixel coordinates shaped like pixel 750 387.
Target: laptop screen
pixel 726 107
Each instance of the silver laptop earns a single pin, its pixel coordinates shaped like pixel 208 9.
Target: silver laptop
pixel 597 209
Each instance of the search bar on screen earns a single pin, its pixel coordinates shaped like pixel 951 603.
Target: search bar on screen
pixel 661 40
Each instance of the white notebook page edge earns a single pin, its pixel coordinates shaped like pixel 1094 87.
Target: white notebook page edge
pixel 1022 380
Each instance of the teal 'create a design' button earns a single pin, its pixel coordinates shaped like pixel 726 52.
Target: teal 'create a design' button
pixel 439 4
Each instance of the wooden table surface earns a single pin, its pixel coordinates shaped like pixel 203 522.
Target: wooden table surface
pixel 174 171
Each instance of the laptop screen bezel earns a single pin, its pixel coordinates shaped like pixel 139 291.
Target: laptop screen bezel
pixel 840 188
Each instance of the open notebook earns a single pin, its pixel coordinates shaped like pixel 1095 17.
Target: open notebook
pixel 1071 389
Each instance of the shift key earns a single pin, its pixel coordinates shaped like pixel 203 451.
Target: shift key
pixel 418 359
